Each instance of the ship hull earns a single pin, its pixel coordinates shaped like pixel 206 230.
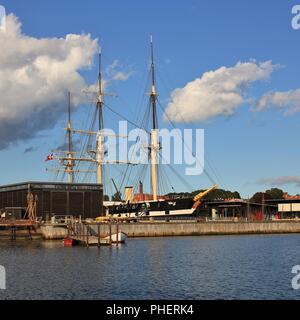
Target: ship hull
pixel 162 208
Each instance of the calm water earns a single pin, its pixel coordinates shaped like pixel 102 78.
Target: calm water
pixel 230 267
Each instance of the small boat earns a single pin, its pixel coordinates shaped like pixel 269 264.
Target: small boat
pixel 119 237
pixel 69 242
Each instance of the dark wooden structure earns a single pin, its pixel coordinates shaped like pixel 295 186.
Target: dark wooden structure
pixel 241 209
pixel 77 199
pixel 13 229
pixel 287 208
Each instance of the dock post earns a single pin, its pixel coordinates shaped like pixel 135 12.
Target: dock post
pixel 87 236
pixel 117 234
pixel 99 243
pixel 110 240
pixel 29 232
pixel 72 228
pixel 13 232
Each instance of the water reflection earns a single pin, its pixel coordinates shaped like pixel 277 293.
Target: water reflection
pixel 229 267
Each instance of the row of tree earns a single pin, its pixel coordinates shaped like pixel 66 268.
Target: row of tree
pixel 273 193
pixel 219 194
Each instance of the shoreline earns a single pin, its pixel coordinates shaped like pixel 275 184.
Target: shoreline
pixel 50 232
pixel 171 229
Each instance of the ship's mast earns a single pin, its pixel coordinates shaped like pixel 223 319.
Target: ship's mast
pixel 69 158
pixel 99 144
pixel 154 148
pixel 70 163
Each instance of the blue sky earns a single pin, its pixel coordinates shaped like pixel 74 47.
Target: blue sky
pixel 191 37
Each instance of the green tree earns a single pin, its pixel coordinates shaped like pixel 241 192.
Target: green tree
pixel 259 197
pixel 275 193
pixel 106 197
pixel 236 195
pixel 218 194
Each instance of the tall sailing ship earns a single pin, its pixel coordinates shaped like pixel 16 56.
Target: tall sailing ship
pixel 133 205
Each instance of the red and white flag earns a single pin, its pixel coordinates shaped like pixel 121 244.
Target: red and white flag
pixel 49 157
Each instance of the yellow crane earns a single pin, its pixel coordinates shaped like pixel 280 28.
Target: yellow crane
pixel 197 199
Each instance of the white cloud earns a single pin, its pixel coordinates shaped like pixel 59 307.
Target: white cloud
pixel 34 77
pixel 281 181
pixel 218 92
pixel 121 76
pixel 115 72
pixel 288 101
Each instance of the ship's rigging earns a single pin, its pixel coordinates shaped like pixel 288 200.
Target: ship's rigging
pixel 89 158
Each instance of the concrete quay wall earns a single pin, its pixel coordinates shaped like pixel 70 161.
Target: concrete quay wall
pixel 168 229
pixel 54 232
pixel 205 228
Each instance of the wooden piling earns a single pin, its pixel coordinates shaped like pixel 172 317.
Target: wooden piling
pixel 99 235
pixel 87 235
pixel 110 240
pixel 117 234
pixel 12 233
pixel 29 233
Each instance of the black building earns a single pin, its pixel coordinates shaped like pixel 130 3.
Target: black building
pixel 239 208
pixel 288 208
pixel 55 198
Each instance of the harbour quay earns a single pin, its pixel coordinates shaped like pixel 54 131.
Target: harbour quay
pixel 194 228
pixel 181 228
pixel 49 211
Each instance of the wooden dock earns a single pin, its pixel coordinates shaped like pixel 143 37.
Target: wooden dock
pixel 91 241
pixel 13 229
pixel 87 234
pixel 16 223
